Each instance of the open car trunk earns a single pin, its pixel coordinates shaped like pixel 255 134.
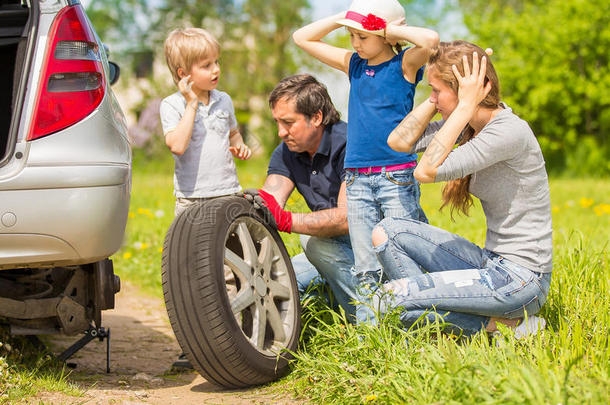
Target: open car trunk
pixel 13 45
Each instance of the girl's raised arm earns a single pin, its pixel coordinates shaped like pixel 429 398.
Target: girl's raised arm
pixel 424 39
pixel 309 39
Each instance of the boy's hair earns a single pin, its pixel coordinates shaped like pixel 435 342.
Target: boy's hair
pixel 186 46
pixel 309 95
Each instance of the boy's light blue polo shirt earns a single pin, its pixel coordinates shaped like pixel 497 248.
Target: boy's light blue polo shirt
pixel 206 169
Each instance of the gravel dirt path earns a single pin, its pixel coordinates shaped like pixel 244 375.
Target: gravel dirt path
pixel 143 348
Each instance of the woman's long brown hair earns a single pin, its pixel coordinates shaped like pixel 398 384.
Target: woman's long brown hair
pixel 455 192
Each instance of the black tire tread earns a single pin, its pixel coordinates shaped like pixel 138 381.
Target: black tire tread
pixel 195 303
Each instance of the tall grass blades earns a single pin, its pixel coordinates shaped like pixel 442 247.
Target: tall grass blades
pixel 341 363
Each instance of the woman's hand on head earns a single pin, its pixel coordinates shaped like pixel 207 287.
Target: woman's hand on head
pixel 472 88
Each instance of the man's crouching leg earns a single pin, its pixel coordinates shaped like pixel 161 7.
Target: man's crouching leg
pixel 333 260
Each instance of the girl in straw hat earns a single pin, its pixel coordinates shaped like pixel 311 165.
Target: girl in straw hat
pixel 383 77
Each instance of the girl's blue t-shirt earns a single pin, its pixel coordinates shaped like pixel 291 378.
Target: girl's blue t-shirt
pixel 379 98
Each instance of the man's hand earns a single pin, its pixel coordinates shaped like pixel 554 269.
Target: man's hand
pixel 263 200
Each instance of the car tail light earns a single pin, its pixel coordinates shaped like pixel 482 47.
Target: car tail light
pixel 72 82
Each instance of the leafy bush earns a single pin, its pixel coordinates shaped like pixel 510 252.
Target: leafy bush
pixel 552 59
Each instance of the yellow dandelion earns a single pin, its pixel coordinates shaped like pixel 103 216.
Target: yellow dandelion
pixel 160 250
pixel 601 209
pixel 555 209
pixel 132 215
pixel 371 397
pixel 141 210
pixel 144 246
pixel 126 255
pixel 586 202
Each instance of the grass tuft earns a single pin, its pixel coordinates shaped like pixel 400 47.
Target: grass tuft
pixel 28 368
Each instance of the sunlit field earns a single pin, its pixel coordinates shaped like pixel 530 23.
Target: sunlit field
pixel 568 362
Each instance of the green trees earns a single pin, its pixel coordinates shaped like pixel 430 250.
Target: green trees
pixel 254 36
pixel 257 53
pixel 552 58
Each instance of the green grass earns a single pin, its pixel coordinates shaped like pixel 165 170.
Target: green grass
pixel 568 363
pixel 339 363
pixel 27 369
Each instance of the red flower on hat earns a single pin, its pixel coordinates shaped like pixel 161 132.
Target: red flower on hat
pixel 373 23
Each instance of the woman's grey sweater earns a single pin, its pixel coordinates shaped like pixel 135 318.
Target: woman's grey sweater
pixel 510 179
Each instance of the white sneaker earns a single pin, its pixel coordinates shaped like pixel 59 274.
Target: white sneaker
pixel 529 326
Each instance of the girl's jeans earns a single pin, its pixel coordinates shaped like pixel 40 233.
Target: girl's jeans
pixel 372 197
pixel 462 283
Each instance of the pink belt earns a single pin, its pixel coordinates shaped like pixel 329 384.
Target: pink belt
pixel 391 168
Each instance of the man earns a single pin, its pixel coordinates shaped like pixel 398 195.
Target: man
pixel 310 158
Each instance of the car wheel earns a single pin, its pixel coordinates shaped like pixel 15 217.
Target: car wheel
pixel 231 293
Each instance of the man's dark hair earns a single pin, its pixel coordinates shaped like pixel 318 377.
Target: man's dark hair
pixel 310 96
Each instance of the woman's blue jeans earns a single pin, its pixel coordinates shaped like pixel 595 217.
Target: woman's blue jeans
pixel 372 197
pixel 451 277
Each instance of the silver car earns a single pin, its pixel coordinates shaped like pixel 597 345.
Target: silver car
pixel 65 169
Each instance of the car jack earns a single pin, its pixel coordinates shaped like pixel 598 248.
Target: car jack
pixel 91 334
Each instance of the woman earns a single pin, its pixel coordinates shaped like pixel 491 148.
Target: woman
pixel 499 161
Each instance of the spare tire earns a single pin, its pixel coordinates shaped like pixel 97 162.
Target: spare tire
pixel 231 293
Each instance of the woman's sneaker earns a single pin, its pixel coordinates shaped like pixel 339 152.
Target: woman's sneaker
pixel 529 326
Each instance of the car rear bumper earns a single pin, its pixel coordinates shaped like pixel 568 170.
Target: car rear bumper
pixel 63 215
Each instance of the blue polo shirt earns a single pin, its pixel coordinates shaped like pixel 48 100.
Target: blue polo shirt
pixel 318 179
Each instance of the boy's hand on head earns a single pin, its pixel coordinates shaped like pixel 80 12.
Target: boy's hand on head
pixel 241 151
pixel 185 85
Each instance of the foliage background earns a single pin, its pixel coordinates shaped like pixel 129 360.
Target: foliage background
pixel 552 58
pixel 551 55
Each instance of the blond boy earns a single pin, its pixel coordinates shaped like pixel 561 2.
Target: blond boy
pixel 199 121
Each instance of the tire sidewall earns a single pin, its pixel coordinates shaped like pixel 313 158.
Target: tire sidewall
pixel 226 211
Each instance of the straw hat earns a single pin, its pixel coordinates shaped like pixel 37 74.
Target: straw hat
pixel 372 15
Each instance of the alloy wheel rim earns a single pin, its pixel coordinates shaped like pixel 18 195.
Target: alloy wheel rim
pixel 258 286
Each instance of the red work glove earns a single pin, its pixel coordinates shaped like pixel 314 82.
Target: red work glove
pixel 283 219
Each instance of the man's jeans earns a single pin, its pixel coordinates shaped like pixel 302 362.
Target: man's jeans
pixel 371 198
pixel 464 284
pixel 329 260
